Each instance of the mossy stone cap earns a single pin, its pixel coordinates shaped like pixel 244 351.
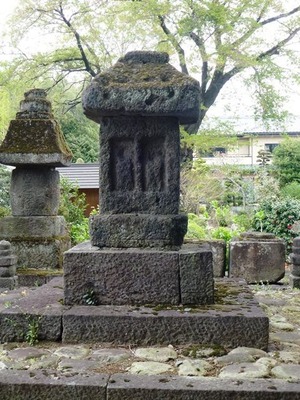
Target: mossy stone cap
pixel 34 137
pixel 143 83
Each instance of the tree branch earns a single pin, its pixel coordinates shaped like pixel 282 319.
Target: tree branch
pixel 85 60
pixel 175 43
pixel 280 16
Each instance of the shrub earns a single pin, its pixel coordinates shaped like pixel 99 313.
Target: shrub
pixel 291 190
pixel 196 230
pixel 72 207
pixel 278 217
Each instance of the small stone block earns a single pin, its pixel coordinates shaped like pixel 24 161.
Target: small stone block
pixel 5 253
pixel 131 276
pixel 196 277
pixel 7 271
pixel 141 230
pixel 8 261
pixel 295 281
pixel 9 282
pixel 4 245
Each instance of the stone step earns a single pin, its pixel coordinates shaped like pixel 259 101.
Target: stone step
pixel 54 385
pixel 234 320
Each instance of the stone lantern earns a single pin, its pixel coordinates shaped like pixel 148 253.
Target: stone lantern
pixel 35 145
pixel 137 255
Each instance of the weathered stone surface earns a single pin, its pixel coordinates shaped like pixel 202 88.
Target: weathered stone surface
pixel 35 136
pixel 111 355
pixel 39 241
pixel 38 385
pixel 34 191
pixel 121 277
pixel 139 165
pixel 289 356
pixel 149 368
pixel 238 323
pixel 143 83
pixel 40 306
pixel 257 260
pixel 28 228
pixel 287 371
pixel 162 354
pixel 135 276
pixel 193 367
pixel 7 271
pixel 122 387
pixel 295 273
pixel 72 352
pixel 4 245
pixel 142 230
pixel 196 276
pixel 26 353
pixel 9 282
pixel 244 371
pixel 218 248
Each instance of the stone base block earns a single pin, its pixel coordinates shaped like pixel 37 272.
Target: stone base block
pixel 257 261
pixel 58 385
pixel 135 276
pixel 218 248
pixel 235 320
pixel 38 242
pixel 138 230
pixel 41 306
pixel 9 282
pixel 295 281
pixel 37 277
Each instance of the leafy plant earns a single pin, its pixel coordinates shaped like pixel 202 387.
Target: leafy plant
pixel 278 217
pixel 72 207
pixel 90 298
pixel 31 335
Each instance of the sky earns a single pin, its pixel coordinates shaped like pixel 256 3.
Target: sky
pixel 236 103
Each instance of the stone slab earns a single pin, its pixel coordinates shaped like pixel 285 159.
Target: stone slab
pixel 235 320
pixel 41 306
pixel 124 387
pixel 42 385
pixel 138 230
pixel 45 385
pixel 138 276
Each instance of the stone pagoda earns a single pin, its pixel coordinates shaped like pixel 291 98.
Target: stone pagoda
pixel 35 145
pixel 136 254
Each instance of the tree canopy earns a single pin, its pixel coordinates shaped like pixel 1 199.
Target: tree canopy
pixel 213 40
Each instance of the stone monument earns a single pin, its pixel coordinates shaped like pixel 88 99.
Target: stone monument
pixel 137 255
pixel 35 145
pixel 8 261
pixel 135 281
pixel 295 259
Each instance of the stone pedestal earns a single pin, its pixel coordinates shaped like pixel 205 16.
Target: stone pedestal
pixel 295 258
pixel 134 276
pixel 38 241
pixel 8 278
pixel 257 257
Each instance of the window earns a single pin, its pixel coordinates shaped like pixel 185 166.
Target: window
pixel 271 146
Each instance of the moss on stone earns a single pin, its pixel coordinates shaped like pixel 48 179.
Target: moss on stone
pixel 34 136
pixel 150 75
pixel 39 272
